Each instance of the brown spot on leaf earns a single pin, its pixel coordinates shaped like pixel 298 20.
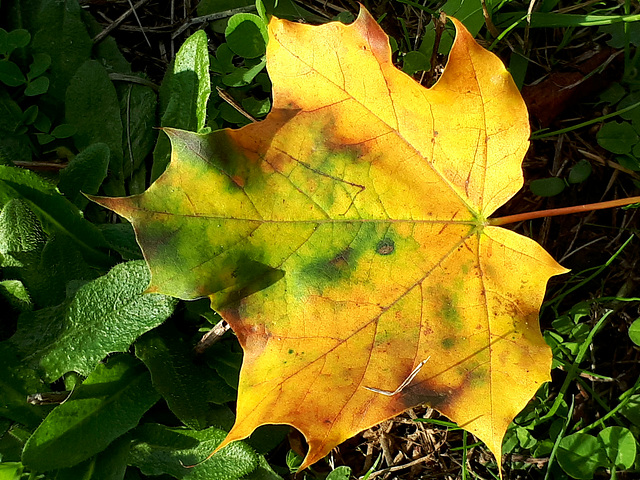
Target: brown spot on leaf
pixel 386 246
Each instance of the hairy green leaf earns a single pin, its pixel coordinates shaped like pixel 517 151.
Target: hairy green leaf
pixel 159 449
pixel 55 212
pixel 105 315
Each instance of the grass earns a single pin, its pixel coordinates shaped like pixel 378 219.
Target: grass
pixel 587 314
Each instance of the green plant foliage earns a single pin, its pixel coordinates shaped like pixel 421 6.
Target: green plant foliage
pixel 617 137
pixel 634 331
pixel 581 454
pixel 108 314
pixel 184 95
pixel 190 388
pixel 92 107
pixel 159 449
pixel 85 173
pixel 247 35
pixel 57 214
pixel 109 403
pixel 547 187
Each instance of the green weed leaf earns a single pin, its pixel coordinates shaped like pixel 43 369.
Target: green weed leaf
pixel 85 174
pixel 340 473
pixel 10 74
pixel 110 464
pixel 620 446
pixel 38 86
pixel 109 403
pixel 106 315
pixel 547 187
pixel 189 387
pixel 16 294
pixel 580 171
pixel 580 454
pixel 16 382
pixel 414 62
pixel 617 137
pixel 158 449
pixel 247 35
pixel 61 34
pixel 138 110
pixel 41 62
pixel 55 212
pixel 93 108
pixel 186 89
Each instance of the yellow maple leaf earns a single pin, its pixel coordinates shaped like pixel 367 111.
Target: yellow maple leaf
pixel 345 239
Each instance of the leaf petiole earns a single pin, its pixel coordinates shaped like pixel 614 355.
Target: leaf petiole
pixel 521 217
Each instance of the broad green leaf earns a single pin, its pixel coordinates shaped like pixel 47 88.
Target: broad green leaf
pixel 57 214
pixel 262 472
pixel 547 187
pixel 45 266
pixel 619 445
pixel 104 316
pixel 158 449
pixel 347 239
pixel 15 293
pixel 187 87
pixel 61 263
pixel 10 113
pixel 22 241
pixel 84 174
pixel 121 238
pixel 617 137
pixel 580 171
pixel 189 387
pixel 92 106
pixel 16 382
pixel 10 74
pixel 580 454
pixel 340 473
pixel 247 35
pixel 138 106
pixel 109 464
pixel 18 38
pixel 41 62
pixel 61 34
pixel 634 331
pixel 11 471
pixel 414 62
pixel 109 403
pixel 631 409
pixel 37 87
pixel 106 50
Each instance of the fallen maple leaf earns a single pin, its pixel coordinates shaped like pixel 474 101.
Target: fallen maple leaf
pixel 345 239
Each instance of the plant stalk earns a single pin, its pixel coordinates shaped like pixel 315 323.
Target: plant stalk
pixel 521 217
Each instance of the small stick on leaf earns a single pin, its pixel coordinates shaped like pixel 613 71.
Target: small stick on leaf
pixel 229 99
pixel 404 384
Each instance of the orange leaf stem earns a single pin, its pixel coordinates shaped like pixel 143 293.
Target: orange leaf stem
pixel 562 211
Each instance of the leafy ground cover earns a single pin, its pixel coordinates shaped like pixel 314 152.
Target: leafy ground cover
pixel 118 389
